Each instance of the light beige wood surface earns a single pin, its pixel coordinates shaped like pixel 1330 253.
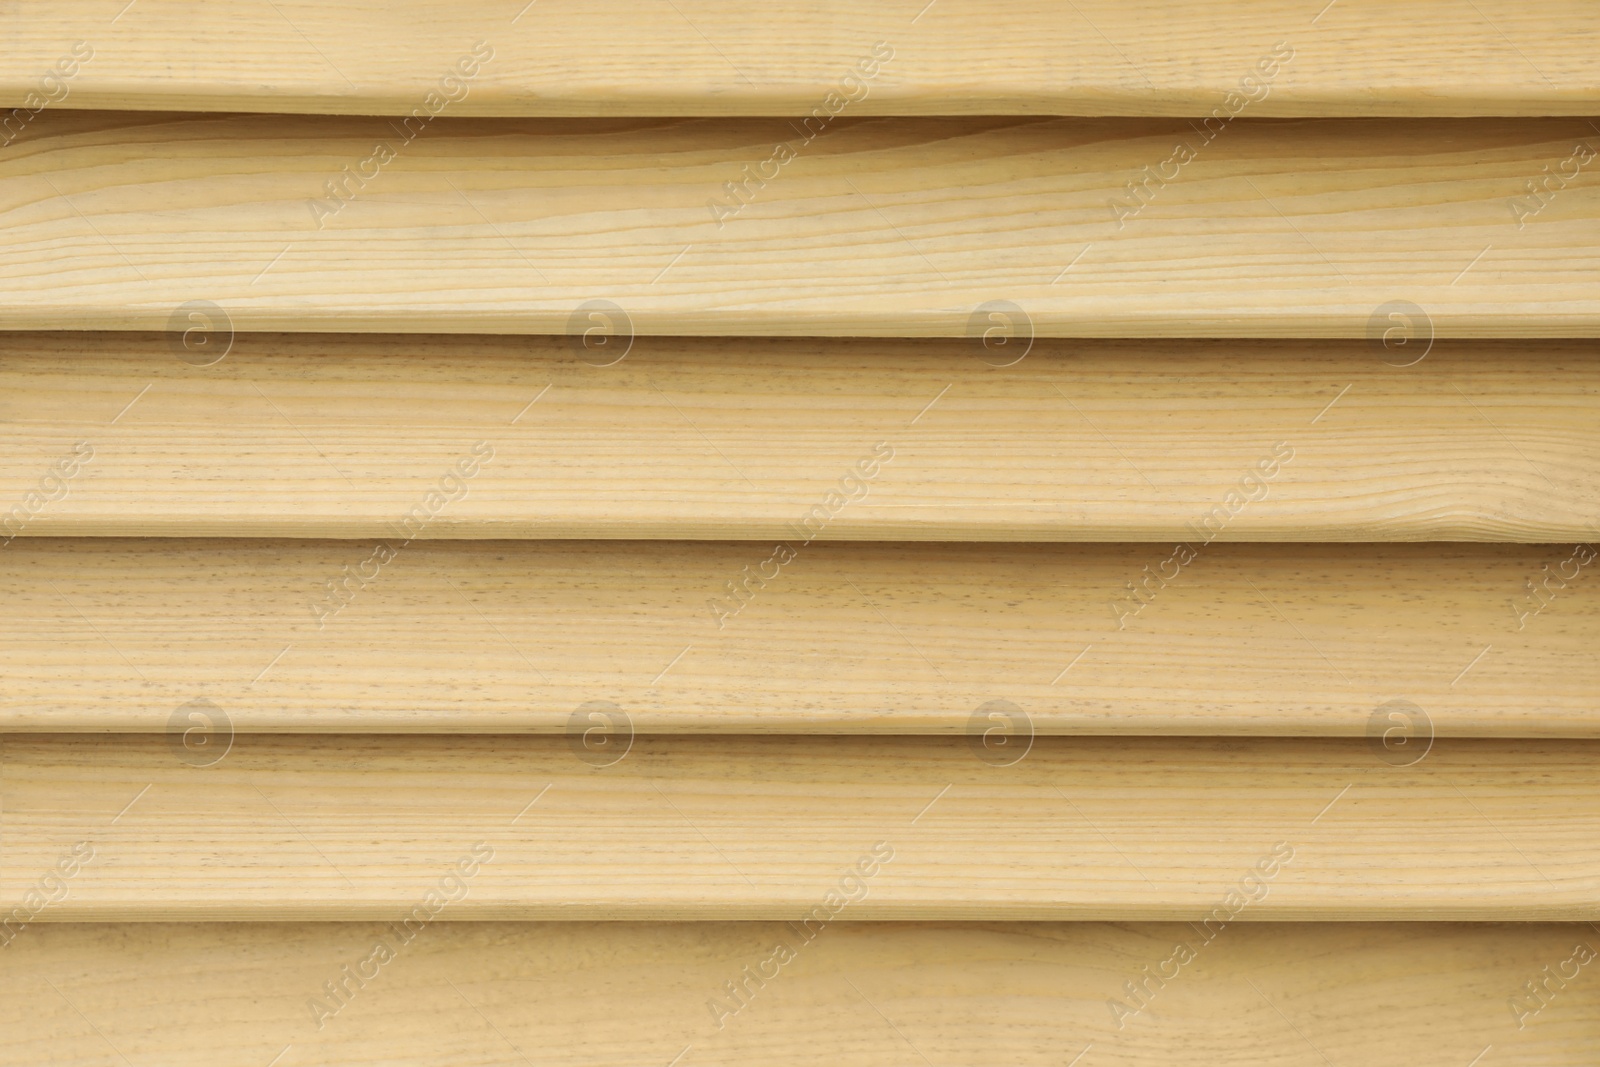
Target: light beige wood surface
pixel 879 226
pixel 849 638
pixel 319 827
pixel 347 436
pixel 350 598
pixel 575 994
pixel 733 57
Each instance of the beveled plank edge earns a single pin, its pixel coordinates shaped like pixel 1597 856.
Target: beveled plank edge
pixel 1462 100
pixel 1349 322
pixel 853 528
pixel 1493 911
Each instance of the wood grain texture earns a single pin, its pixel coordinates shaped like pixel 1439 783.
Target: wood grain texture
pixel 348 436
pixel 732 57
pixel 341 827
pixel 586 995
pixel 890 227
pixel 111 635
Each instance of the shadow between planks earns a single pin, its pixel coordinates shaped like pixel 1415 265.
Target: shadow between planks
pixel 855 993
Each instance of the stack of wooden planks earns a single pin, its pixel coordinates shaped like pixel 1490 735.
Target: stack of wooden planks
pixel 685 532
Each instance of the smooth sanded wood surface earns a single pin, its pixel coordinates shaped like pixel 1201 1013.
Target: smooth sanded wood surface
pixel 800 439
pixel 595 995
pixel 342 827
pixel 847 638
pixel 734 57
pixel 876 226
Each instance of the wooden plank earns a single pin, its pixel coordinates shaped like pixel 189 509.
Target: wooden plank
pixel 342 827
pixel 112 635
pixel 854 994
pixel 731 57
pixel 882 227
pixel 352 436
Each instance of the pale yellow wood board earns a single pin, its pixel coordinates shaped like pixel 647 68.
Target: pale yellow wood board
pixel 586 995
pixel 347 436
pixel 878 226
pixel 847 638
pixel 342 827
pixel 734 57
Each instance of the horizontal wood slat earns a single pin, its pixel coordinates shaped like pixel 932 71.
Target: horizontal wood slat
pixel 680 828
pixel 876 226
pixel 731 57
pixel 571 994
pixel 845 638
pixel 352 436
